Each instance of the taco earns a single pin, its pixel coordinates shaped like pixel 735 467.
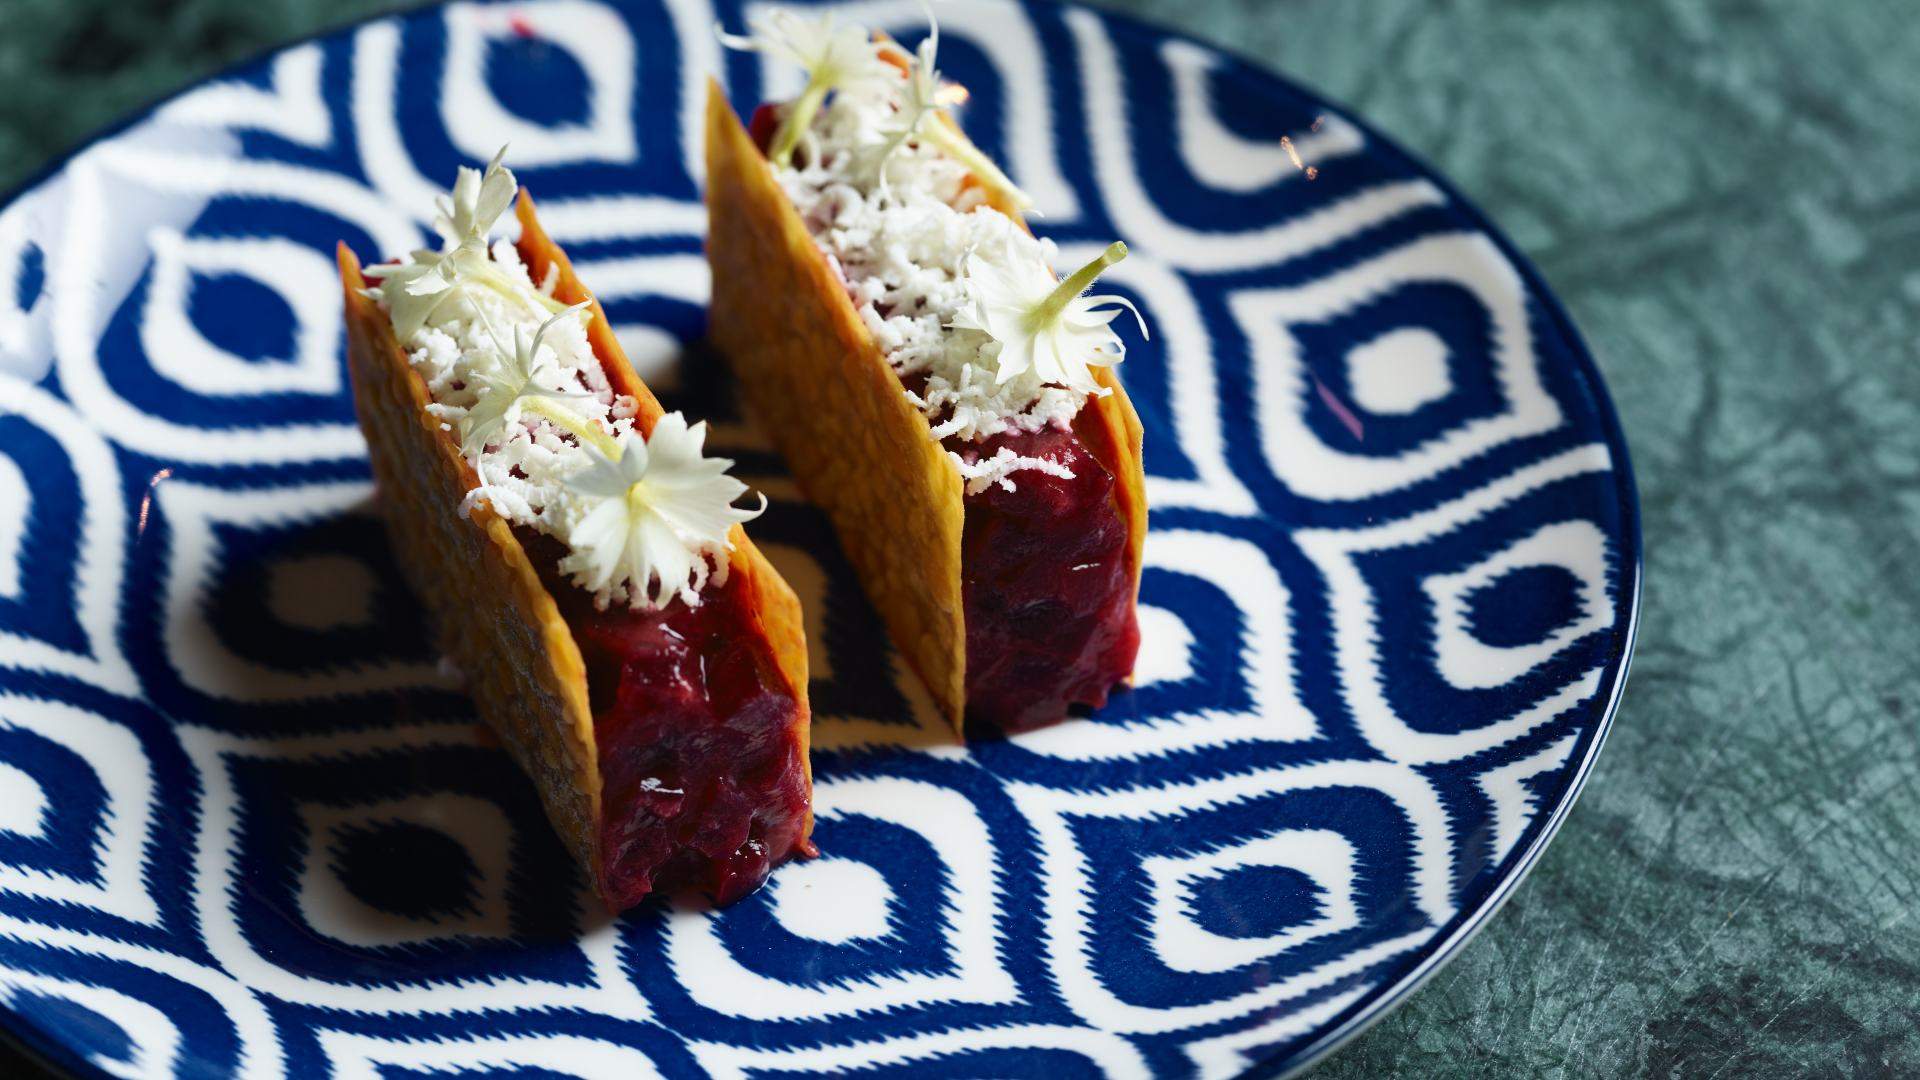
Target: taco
pixel 952 405
pixel 581 559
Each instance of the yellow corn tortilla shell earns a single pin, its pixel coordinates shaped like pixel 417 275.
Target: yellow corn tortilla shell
pixel 814 378
pixel 491 612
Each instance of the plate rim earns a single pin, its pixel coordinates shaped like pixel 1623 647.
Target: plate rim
pixel 1425 962
pixel 1459 932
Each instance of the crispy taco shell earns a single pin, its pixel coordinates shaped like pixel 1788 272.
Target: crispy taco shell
pixel 815 379
pixel 492 614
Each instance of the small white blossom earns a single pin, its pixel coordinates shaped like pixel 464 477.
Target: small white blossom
pixel 647 522
pixel 519 372
pixel 415 292
pixel 844 56
pixel 842 59
pixel 1042 325
pixel 478 199
pixel 919 115
pixel 919 98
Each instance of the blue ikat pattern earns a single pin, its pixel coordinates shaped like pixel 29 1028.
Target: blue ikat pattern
pixel 247 825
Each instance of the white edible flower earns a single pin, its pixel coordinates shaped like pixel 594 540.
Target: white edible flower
pixel 920 116
pixel 649 518
pixel 414 291
pixel 478 199
pixel 1042 325
pixel 919 98
pixel 518 376
pixel 836 58
pixel 841 54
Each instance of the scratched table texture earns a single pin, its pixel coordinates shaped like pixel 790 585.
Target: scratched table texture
pixel 1727 197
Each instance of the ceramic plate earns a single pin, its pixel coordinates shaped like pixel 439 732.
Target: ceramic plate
pixel 247 823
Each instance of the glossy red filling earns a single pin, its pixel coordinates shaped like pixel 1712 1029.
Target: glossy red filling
pixel 764 122
pixel 1046 587
pixel 704 785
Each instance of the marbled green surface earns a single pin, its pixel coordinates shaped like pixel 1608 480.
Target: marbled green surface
pixel 1727 197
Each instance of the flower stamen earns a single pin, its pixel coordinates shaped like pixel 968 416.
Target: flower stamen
pixel 835 59
pixel 798 119
pixel 1076 283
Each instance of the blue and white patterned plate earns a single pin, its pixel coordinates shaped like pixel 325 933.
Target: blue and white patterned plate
pixel 247 824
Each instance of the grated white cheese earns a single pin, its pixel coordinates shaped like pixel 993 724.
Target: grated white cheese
pixel 900 242
pixel 981 473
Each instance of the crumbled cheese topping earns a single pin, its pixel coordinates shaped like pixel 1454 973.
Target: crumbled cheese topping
pixel 896 200
pixel 981 473
pixel 513 375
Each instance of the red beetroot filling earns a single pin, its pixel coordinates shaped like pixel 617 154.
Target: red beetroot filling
pixel 1045 586
pixel 704 785
pixel 764 122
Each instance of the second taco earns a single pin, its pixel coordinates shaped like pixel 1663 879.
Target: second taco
pixel 947 400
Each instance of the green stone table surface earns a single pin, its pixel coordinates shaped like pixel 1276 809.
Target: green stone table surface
pixel 1727 197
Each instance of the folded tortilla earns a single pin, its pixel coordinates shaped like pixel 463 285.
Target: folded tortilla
pixel 814 378
pixel 492 614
